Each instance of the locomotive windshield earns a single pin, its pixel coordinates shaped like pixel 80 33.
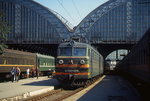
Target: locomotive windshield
pixel 65 51
pixel 76 51
pixel 79 52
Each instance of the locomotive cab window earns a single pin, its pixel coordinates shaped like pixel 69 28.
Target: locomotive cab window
pixel 79 52
pixel 65 51
pixel 76 51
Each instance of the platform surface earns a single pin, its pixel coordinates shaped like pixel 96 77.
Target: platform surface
pixel 112 88
pixel 108 88
pixel 26 87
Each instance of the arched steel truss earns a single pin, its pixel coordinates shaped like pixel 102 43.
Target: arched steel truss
pixel 89 21
pixel 57 22
pixel 130 29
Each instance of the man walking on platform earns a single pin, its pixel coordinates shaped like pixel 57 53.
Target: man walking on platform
pixel 13 74
pixel 28 72
pixel 18 74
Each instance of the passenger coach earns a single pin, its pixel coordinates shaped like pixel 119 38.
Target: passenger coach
pixel 24 60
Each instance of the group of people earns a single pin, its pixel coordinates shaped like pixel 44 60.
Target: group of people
pixel 32 72
pixel 15 74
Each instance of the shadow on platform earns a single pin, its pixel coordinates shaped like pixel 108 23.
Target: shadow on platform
pixel 50 82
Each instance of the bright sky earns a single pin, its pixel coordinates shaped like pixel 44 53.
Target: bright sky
pixel 73 11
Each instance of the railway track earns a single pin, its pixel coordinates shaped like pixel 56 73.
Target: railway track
pixel 61 94
pixel 55 95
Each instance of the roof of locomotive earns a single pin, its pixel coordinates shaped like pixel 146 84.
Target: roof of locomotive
pixel 77 44
pixel 73 44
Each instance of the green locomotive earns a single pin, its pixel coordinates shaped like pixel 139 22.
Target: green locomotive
pixel 77 63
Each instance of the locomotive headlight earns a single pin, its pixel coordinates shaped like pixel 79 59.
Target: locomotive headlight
pixel 60 61
pixel 82 62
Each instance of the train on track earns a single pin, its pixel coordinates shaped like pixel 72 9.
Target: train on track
pixel 24 60
pixel 77 63
pixel 137 62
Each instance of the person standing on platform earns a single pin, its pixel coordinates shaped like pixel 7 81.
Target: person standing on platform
pixel 33 72
pixel 49 73
pixel 37 73
pixel 18 74
pixel 28 72
pixel 13 74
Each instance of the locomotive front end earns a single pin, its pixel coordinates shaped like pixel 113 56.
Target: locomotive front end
pixel 72 64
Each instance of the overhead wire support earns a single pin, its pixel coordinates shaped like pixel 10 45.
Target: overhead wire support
pixel 66 11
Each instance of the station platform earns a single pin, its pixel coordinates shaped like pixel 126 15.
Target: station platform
pixel 12 91
pixel 110 88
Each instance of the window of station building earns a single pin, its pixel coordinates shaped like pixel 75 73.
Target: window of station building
pixel 34 24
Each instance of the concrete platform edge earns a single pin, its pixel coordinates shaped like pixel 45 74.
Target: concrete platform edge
pixel 81 93
pixel 27 94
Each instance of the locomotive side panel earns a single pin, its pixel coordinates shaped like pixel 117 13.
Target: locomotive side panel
pixel 96 64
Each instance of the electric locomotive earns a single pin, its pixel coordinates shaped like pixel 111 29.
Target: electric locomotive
pixel 77 63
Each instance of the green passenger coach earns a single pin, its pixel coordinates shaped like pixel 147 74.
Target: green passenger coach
pixel 45 63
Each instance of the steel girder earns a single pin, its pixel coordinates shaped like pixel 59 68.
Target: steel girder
pixel 61 25
pixel 95 15
pixel 130 30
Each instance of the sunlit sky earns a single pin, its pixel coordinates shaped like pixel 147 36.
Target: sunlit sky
pixel 72 10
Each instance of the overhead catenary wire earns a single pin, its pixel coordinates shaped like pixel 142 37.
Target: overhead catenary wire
pixel 76 9
pixel 66 11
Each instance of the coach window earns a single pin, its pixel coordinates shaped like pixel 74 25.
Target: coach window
pixel 1 61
